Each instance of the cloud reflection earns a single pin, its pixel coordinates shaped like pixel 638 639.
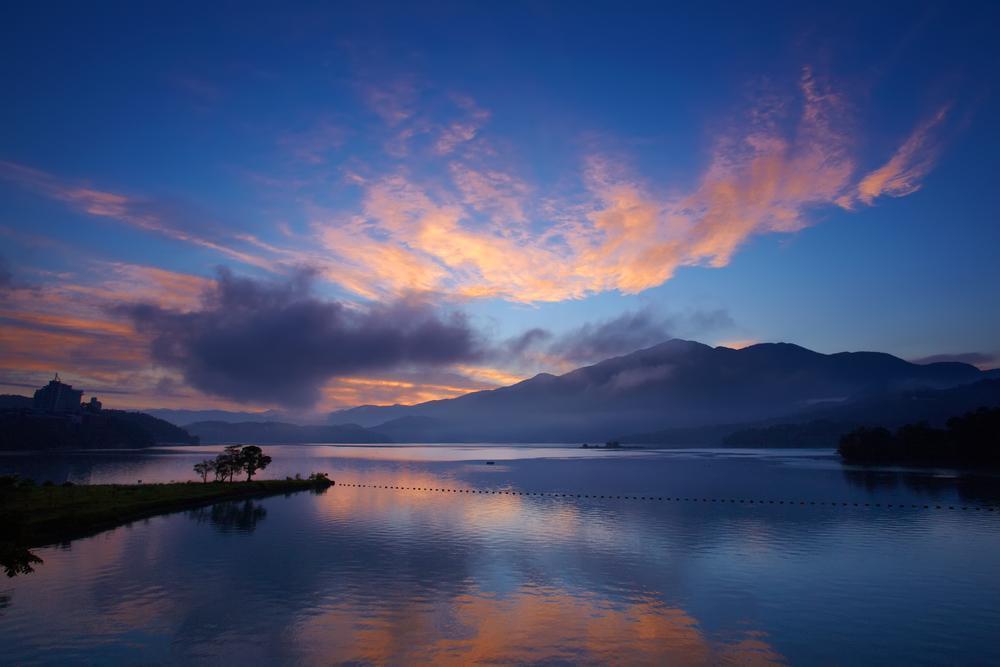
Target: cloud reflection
pixel 532 624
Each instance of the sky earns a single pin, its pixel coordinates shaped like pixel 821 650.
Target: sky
pixel 308 206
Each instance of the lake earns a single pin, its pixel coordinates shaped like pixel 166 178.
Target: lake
pixel 708 557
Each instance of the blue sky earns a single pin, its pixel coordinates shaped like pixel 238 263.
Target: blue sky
pixel 791 171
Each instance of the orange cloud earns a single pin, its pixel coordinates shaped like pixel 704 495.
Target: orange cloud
pixel 486 234
pixel 461 131
pixel 137 213
pixel 498 194
pixel 363 391
pixel 351 391
pixel 394 102
pixel 902 174
pixel 479 240
pixel 134 283
pixel 66 327
pixel 494 376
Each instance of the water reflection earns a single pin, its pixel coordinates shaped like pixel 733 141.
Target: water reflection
pixel 376 575
pixel 16 559
pixel 528 625
pixel 940 486
pixel 231 516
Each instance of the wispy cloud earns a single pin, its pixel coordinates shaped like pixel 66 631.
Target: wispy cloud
pixel 441 210
pixel 489 235
pixel 315 144
pixel 394 102
pixel 473 227
pixel 146 214
pixel 464 129
pixel 596 341
pixel 904 172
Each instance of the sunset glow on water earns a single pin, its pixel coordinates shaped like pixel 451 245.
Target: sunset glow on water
pixel 378 575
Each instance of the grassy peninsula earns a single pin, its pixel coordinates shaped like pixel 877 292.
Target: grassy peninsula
pixel 48 514
pixel 33 515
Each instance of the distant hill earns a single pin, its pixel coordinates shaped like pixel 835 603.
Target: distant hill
pixel 15 402
pixel 181 417
pixel 403 428
pixel 107 429
pixel 267 433
pixel 161 431
pixel 677 384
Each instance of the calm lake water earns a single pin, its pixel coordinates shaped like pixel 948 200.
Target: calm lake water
pixel 373 575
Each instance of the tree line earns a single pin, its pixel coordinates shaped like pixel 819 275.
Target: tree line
pixel 233 460
pixel 971 439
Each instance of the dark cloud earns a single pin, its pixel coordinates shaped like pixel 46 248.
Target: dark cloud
pixel 278 343
pixel 974 358
pixel 626 333
pixel 518 345
pixel 621 335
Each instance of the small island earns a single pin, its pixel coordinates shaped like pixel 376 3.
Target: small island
pixel 971 440
pixel 610 444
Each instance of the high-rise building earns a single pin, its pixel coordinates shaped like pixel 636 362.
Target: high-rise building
pixel 57 397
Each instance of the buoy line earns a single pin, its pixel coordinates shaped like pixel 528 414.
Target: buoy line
pixel 689 499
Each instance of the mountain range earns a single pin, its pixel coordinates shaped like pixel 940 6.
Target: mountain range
pixel 675 392
pixel 676 384
pixel 181 417
pixel 270 432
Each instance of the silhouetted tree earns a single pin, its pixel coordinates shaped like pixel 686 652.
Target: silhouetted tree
pixel 252 459
pixel 976 435
pixel 220 468
pixel 920 441
pixel 972 439
pixel 874 444
pixel 204 468
pixel 228 463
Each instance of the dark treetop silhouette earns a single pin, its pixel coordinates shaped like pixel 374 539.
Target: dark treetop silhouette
pixel 234 459
pixel 972 439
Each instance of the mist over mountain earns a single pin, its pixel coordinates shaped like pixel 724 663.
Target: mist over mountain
pixel 182 417
pixel 823 425
pixel 676 384
pixel 270 432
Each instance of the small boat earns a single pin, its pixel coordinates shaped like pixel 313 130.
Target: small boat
pixel 490 463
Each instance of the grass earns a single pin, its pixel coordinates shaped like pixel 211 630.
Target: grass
pixel 40 515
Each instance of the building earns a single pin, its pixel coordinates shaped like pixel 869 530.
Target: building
pixel 57 397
